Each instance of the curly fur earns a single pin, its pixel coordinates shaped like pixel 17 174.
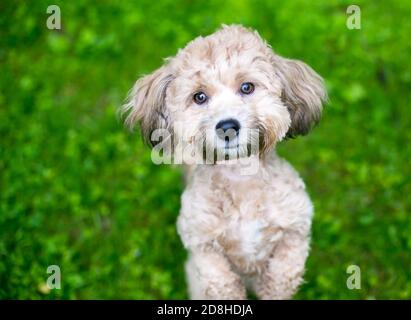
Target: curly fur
pixel 240 230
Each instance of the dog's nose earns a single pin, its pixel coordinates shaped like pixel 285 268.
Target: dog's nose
pixel 225 125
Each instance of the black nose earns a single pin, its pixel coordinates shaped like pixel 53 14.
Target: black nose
pixel 224 125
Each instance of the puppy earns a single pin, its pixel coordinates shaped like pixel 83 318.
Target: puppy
pixel 241 230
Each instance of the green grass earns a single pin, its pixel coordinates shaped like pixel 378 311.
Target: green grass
pixel 79 191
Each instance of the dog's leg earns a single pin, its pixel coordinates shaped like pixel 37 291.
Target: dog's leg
pixel 284 272
pixel 210 276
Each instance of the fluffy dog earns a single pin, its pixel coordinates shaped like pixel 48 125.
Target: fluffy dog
pixel 241 230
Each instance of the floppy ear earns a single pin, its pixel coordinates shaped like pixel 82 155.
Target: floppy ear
pixel 303 93
pixel 146 103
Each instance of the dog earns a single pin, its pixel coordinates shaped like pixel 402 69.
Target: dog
pixel 242 231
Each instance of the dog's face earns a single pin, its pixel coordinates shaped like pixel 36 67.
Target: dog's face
pixel 230 90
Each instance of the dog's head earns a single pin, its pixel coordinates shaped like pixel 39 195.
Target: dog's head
pixel 226 87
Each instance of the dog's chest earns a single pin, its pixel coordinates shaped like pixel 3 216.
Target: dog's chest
pixel 250 232
pixel 248 243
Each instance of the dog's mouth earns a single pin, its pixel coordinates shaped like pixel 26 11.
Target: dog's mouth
pixel 237 150
pixel 231 147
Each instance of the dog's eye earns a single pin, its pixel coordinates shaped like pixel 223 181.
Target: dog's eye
pixel 247 88
pixel 200 97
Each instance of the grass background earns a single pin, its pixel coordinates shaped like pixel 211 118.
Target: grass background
pixel 79 191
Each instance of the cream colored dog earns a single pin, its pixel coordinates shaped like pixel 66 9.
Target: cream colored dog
pixel 241 230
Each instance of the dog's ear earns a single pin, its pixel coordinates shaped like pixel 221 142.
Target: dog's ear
pixel 146 103
pixel 303 92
